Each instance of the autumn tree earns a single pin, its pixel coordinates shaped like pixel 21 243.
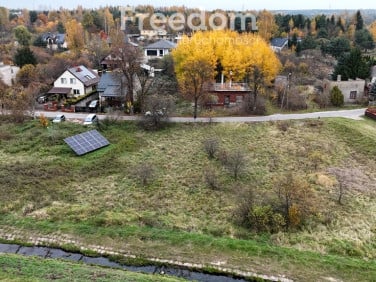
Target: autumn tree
pixel 295 199
pixel 22 35
pixel 97 49
pixel 267 27
pixel 26 75
pixel 130 58
pixel 75 35
pixel 195 63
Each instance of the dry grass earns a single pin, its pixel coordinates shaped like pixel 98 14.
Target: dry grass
pixel 44 180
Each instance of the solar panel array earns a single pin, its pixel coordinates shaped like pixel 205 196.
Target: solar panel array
pixel 86 142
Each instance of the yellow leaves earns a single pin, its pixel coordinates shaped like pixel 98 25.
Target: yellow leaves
pixel 236 53
pixel 372 30
pixel 75 35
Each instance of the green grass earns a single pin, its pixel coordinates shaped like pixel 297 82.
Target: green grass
pixel 19 268
pixel 96 197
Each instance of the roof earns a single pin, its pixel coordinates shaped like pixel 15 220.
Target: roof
pixel 279 42
pixel 59 90
pixel 108 79
pixel 85 75
pixel 112 91
pixel 161 44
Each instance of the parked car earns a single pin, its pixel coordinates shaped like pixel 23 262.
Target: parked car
pixel 93 105
pixel 91 119
pixel 42 99
pixel 58 119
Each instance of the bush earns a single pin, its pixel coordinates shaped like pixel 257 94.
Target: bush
pixel 235 163
pixel 211 146
pixel 264 219
pixel 211 178
pixel 336 97
pixel 144 173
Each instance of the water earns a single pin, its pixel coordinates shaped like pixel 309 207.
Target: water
pixel 47 252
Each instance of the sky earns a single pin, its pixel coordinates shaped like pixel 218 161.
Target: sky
pixel 237 5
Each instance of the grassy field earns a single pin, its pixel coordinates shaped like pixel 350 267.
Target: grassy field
pixel 19 268
pixel 47 189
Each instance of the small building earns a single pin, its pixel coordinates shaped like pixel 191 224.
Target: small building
pixel 353 90
pixel 55 41
pixel 277 44
pixel 111 91
pixel 159 49
pixel 228 94
pixel 74 82
pixel 8 73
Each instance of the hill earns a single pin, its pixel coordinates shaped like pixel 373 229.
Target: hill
pixel 101 198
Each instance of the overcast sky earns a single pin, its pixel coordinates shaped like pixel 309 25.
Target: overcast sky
pixel 204 4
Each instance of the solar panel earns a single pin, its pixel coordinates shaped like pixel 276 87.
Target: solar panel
pixel 86 142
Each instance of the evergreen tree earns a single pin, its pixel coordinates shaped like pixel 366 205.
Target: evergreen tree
pixel 24 56
pixel 351 66
pixel 364 39
pixel 336 97
pixel 358 21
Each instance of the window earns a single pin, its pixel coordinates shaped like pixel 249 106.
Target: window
pixel 63 80
pixel 161 53
pixel 72 81
pixel 151 53
pixel 76 91
pixel 353 94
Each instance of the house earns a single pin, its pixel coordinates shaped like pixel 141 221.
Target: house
pixel 8 73
pixel 55 41
pixel 159 49
pixel 277 44
pixel 151 34
pixel 111 90
pixel 74 82
pixel 353 90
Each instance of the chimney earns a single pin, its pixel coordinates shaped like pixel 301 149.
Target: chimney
pixel 339 77
pixel 78 69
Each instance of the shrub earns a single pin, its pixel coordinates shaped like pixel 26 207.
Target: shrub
pixel 211 146
pixel 211 178
pixel 336 97
pixel 144 173
pixel 235 163
pixel 264 219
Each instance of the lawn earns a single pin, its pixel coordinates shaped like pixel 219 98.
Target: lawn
pixel 97 198
pixel 19 268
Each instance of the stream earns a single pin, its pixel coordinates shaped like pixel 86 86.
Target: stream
pixel 54 253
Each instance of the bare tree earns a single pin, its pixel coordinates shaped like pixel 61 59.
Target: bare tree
pixel 158 109
pixel 197 75
pixel 235 163
pixel 130 58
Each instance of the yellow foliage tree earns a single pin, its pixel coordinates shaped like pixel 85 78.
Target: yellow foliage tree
pixel 241 57
pixel 75 35
pixel 195 63
pixel 266 24
pixel 372 30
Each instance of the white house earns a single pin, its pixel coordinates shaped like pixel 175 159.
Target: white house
pixel 352 90
pixel 75 81
pixel 159 49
